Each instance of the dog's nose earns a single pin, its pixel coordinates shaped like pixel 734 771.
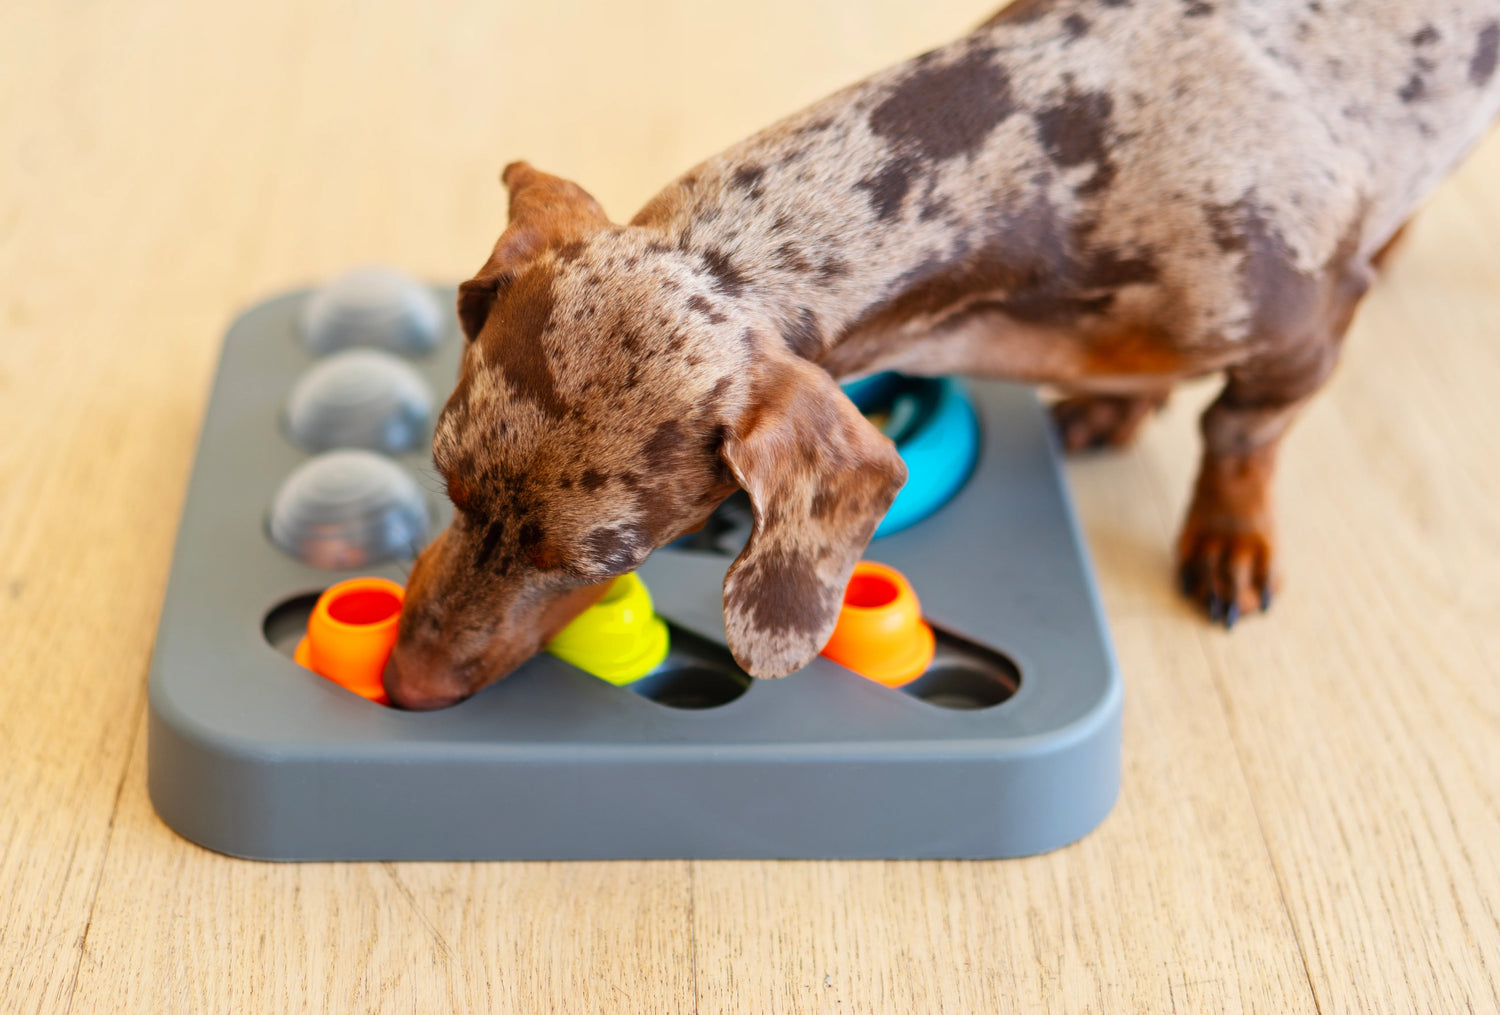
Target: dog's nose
pixel 421 702
pixel 415 695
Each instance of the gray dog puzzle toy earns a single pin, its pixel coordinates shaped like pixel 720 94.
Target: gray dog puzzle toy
pixel 313 467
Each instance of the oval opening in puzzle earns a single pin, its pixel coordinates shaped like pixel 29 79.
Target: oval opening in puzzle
pixel 965 676
pixel 697 674
pixel 286 622
pixel 348 509
pixel 361 398
pixel 691 687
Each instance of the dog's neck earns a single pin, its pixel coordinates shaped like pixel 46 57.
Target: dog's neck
pixel 814 224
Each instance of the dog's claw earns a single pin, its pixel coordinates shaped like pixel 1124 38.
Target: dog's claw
pixel 1227 571
pixel 1100 422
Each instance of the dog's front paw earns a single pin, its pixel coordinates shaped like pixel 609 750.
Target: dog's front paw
pixel 1228 569
pixel 1093 422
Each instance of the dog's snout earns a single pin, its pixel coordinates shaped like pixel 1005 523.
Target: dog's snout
pixel 422 702
pixel 417 685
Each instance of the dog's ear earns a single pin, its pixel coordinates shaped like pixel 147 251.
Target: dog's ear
pixel 820 477
pixel 545 211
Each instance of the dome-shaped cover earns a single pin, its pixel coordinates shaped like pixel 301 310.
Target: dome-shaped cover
pixel 376 307
pixel 360 398
pixel 347 509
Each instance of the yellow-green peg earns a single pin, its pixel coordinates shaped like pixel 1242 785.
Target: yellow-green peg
pixel 619 639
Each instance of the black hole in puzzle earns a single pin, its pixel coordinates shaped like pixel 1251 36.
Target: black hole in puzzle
pixel 694 687
pixel 286 622
pixel 696 674
pixel 726 529
pixel 966 676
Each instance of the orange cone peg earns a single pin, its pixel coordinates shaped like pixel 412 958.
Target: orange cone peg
pixel 351 633
pixel 880 633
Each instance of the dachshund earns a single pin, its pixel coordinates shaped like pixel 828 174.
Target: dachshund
pixel 1103 196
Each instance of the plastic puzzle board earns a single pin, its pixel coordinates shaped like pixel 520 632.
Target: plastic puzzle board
pixel 254 756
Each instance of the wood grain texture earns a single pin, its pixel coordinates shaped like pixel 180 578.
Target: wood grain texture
pixel 1309 818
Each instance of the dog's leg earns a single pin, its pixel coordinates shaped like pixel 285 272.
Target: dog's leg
pixel 1227 552
pixel 1092 422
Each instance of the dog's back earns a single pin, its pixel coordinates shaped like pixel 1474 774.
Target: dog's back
pixel 1139 149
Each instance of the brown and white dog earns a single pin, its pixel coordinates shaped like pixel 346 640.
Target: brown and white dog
pixel 1108 196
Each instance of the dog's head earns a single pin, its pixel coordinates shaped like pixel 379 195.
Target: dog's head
pixel 610 397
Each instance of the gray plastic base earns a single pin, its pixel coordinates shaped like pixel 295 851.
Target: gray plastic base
pixel 252 755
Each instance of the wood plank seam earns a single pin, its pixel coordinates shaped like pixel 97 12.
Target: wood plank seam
pixel 1222 693
pixel 692 914
pixel 137 710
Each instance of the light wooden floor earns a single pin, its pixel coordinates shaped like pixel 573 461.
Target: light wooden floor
pixel 1309 818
